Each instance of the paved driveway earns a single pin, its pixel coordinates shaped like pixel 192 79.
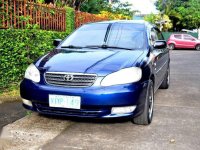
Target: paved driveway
pixel 9 112
pixel 176 123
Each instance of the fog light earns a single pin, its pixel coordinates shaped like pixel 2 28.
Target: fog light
pixel 122 110
pixel 27 102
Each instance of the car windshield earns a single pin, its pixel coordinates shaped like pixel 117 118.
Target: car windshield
pixel 117 35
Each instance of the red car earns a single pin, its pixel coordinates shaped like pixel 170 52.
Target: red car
pixel 183 41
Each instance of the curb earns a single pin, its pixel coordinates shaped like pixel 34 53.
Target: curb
pixel 32 131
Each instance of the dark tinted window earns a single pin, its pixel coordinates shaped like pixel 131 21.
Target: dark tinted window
pixel 89 34
pixel 154 36
pixel 178 36
pixel 160 36
pixel 127 35
pixel 188 37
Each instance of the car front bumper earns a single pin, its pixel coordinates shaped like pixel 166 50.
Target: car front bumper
pixel 96 101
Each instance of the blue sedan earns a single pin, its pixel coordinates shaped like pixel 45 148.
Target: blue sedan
pixel 102 70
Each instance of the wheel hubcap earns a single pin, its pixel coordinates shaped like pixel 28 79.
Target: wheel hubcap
pixel 171 46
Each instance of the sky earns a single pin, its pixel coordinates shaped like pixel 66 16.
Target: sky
pixel 144 6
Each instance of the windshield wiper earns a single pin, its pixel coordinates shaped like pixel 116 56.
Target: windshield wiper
pixel 72 47
pixel 116 47
pixel 93 46
pixel 106 46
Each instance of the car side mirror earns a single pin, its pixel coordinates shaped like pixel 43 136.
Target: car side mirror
pixel 160 44
pixel 56 42
pixel 193 40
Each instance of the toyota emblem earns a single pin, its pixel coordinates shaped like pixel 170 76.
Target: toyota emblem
pixel 68 77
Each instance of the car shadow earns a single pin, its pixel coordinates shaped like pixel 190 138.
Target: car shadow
pixel 184 49
pixel 88 120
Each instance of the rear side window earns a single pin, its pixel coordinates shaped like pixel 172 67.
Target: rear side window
pixel 178 36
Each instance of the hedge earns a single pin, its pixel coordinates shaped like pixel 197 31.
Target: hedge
pixel 19 48
pixel 70 15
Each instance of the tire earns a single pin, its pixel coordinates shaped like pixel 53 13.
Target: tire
pixel 166 82
pixel 198 47
pixel 146 117
pixel 171 46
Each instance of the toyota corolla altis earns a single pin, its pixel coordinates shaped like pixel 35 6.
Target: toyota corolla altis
pixel 102 70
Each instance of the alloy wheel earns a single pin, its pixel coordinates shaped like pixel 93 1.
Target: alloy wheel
pixel 151 103
pixel 171 46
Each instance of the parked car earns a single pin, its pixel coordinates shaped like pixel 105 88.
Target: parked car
pixel 102 70
pixel 183 41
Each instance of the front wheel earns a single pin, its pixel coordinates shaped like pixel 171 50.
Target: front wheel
pixel 171 46
pixel 146 117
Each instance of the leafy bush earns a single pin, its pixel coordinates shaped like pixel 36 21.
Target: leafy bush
pixel 19 48
pixel 70 17
pixel 112 16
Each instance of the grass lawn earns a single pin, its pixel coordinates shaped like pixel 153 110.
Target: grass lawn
pixel 10 95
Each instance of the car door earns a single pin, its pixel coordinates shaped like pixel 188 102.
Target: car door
pixel 189 41
pixel 161 61
pixel 178 39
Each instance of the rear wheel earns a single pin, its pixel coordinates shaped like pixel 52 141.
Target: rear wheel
pixel 198 47
pixel 146 117
pixel 166 81
pixel 171 46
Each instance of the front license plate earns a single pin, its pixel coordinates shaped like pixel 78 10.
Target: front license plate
pixel 73 102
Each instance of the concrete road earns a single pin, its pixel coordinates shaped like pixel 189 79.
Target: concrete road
pixel 10 112
pixel 176 123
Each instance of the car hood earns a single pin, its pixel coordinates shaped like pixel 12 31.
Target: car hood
pixel 98 61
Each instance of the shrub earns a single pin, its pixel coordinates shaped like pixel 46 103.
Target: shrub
pixel 19 48
pixel 113 16
pixel 70 17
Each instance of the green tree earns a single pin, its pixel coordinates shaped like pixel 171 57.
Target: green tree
pixel 117 7
pixel 94 6
pixel 190 12
pixel 159 19
pixel 183 13
pixel 124 8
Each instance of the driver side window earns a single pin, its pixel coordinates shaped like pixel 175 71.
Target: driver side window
pixel 153 36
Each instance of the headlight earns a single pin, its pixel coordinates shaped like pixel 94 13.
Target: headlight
pixel 32 73
pixel 124 76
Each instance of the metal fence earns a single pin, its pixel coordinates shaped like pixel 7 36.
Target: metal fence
pixel 167 34
pixel 20 13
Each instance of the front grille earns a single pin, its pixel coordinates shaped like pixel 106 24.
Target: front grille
pixel 70 79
